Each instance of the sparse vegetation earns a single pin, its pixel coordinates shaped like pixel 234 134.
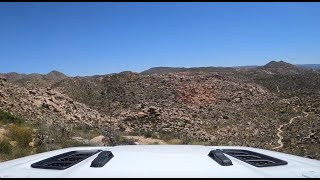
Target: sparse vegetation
pixel 206 106
pixel 85 132
pixel 5 146
pixel 22 135
pixel 6 118
pixel 120 140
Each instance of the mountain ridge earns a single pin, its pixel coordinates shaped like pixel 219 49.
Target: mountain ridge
pixel 13 76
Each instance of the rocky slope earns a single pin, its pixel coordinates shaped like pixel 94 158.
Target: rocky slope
pixel 179 103
pixel 216 106
pixel 48 105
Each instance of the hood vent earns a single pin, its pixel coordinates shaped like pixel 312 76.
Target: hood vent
pixel 220 158
pixel 65 160
pixel 253 158
pixel 102 159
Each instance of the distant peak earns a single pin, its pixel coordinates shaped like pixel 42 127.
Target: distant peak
pixel 281 67
pixel 55 72
pixel 56 75
pixel 279 64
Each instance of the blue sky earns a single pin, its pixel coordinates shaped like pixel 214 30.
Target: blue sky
pixel 101 38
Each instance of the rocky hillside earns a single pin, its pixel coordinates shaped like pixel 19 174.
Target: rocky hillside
pixel 275 107
pixel 47 104
pixel 280 67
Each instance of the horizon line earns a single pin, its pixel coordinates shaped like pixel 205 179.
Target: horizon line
pixel 36 73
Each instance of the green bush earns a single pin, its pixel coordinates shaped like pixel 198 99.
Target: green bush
pixel 167 136
pixel 147 134
pixel 6 118
pixel 118 139
pixel 41 148
pixel 186 140
pixel 22 135
pixel 21 152
pixel 5 147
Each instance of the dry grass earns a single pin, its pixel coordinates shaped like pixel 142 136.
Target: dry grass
pixel 22 135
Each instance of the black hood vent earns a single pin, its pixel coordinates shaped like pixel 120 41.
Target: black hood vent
pixel 253 158
pixel 65 160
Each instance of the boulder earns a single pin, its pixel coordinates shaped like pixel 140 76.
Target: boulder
pixel 37 103
pixel 98 141
pixel 142 114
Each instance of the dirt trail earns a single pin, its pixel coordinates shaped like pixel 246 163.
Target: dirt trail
pixel 145 141
pixel 280 129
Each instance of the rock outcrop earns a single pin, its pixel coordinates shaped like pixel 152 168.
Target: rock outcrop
pixel 49 106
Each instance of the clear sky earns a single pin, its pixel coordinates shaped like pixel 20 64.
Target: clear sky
pixel 101 38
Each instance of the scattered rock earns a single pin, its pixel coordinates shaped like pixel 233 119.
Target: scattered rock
pixel 31 144
pixel 237 100
pixel 98 141
pixel 13 143
pixel 142 115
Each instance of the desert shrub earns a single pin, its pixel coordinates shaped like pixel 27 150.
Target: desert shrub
pixel 21 152
pixel 135 133
pixel 41 148
pixel 174 141
pixel 22 135
pixel 87 133
pixel 186 140
pixel 147 134
pixel 6 118
pixel 154 135
pixel 5 147
pixel 213 143
pixel 167 136
pixel 118 139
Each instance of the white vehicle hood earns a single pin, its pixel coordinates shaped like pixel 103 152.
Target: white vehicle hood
pixel 162 161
